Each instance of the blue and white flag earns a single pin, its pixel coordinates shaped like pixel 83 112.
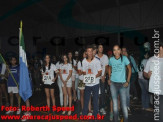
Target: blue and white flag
pixel 25 89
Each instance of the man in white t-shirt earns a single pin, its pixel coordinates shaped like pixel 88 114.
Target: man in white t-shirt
pixel 91 67
pixel 154 72
pixel 104 64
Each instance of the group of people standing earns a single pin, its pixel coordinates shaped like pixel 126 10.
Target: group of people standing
pixel 85 76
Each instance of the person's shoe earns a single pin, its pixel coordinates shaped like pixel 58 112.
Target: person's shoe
pixel 111 116
pixel 26 116
pixel 90 113
pixel 81 113
pixel 9 112
pixel 69 113
pixel 102 110
pixel 135 98
pixel 129 110
pixel 63 112
pixel 19 111
pixel 149 109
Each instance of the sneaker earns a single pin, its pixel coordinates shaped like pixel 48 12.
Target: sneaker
pixel 90 113
pixel 26 116
pixel 111 116
pixel 135 98
pixel 9 112
pixel 69 113
pixel 81 113
pixel 63 112
pixel 19 111
pixel 101 110
pixel 129 110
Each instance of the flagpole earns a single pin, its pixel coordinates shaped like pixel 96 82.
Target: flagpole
pixel 20 30
pixel 21 25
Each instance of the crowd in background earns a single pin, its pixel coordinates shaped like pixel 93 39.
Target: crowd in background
pixel 68 71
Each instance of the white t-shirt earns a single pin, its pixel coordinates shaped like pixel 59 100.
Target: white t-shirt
pixel 104 62
pixel 155 65
pixel 50 73
pixel 65 70
pixel 79 67
pixel 142 66
pixel 92 68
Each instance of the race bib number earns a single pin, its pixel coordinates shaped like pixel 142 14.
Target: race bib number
pixel 47 78
pixel 89 78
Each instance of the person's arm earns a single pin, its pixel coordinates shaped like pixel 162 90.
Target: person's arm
pixel 98 66
pixel 69 76
pixel 99 74
pixel 147 73
pixel 70 73
pixel 127 63
pixel 55 76
pixel 128 75
pixel 109 75
pixel 134 64
pixel 74 66
pixel 55 71
pixel 60 74
pixel 79 68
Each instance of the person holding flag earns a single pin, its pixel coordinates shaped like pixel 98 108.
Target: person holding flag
pixel 25 89
pixel 12 86
pixel 3 70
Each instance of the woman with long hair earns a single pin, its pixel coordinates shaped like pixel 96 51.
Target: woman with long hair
pixel 49 77
pixel 72 61
pixel 118 81
pixel 65 75
pixel 81 85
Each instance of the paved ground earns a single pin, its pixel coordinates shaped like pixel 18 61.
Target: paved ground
pixel 137 115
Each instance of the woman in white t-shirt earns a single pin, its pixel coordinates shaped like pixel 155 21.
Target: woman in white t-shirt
pixel 49 76
pixel 65 75
pixel 73 77
pixel 81 85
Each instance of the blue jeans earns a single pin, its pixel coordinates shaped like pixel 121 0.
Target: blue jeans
pixel 133 88
pixel 144 93
pixel 87 94
pixel 118 89
pixel 128 95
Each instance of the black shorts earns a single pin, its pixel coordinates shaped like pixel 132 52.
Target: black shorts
pixel 52 86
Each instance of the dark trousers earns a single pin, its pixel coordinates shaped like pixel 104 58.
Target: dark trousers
pixel 87 93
